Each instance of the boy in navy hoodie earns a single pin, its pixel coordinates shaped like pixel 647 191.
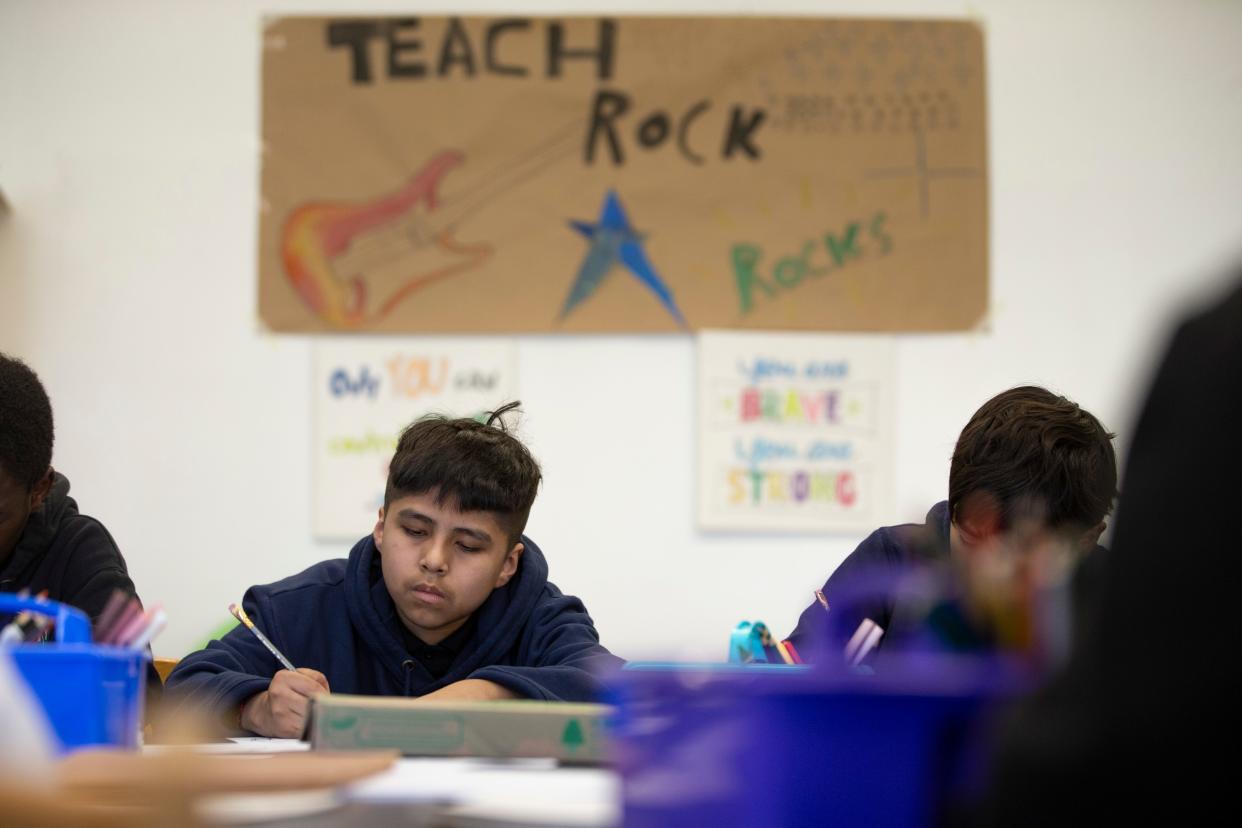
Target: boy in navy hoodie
pixel 445 599
pixel 1032 479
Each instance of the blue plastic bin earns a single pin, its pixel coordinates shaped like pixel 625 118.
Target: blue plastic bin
pixel 92 694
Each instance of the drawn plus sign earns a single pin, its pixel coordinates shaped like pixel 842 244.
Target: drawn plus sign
pixel 923 172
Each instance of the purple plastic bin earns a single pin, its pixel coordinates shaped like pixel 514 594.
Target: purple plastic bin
pixel 703 746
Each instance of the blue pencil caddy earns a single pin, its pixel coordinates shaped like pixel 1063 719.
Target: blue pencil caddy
pixel 92 694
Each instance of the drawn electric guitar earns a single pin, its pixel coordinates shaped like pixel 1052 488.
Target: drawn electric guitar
pixel 353 262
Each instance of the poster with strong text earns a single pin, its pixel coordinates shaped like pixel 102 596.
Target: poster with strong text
pixel 366 391
pixel 795 431
pixel 604 174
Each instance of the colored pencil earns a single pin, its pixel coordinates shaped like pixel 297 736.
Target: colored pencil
pixel 863 641
pixel 157 619
pixel 123 619
pixel 111 611
pixel 793 652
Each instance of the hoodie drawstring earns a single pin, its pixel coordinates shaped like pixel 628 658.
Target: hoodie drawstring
pixel 408 667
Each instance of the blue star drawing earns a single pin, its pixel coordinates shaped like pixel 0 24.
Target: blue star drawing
pixel 614 241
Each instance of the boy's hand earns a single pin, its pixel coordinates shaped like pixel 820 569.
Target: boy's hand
pixel 280 711
pixel 472 690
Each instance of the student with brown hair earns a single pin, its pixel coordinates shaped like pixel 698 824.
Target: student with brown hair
pixel 1031 469
pixel 446 598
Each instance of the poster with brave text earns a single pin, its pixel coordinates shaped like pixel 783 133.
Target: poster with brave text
pixel 795 431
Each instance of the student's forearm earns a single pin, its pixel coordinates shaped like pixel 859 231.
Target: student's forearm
pixel 472 690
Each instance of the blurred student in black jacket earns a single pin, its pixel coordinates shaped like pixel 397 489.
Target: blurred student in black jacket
pixel 1134 726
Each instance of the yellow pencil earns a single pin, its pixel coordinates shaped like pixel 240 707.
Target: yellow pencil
pixel 240 615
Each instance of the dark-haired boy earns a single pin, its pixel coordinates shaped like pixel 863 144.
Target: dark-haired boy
pixel 1032 479
pixel 445 599
pixel 45 543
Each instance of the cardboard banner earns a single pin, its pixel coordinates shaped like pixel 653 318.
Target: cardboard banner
pixel 795 431
pixel 368 390
pixel 581 174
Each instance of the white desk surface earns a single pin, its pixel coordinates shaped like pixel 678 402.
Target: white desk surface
pixel 521 791
pixel 472 791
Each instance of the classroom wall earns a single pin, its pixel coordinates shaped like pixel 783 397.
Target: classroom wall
pixel 129 152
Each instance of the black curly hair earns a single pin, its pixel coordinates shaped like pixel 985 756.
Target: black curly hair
pixel 25 423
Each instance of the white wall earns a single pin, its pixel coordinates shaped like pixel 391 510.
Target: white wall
pixel 129 151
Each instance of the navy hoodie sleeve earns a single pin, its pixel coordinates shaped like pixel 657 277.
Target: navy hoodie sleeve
pixel 849 599
pixel 560 656
pixel 229 671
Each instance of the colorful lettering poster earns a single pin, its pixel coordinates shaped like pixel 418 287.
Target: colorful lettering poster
pixel 368 390
pixel 605 174
pixel 795 431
